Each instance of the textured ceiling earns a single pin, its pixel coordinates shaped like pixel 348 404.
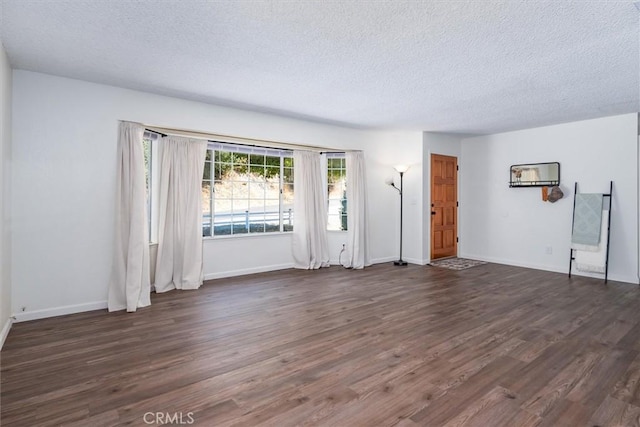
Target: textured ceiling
pixel 448 66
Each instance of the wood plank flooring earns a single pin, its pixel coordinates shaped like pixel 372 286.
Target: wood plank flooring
pixel 416 346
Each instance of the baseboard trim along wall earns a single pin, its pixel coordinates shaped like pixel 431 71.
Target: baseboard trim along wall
pixel 383 260
pixel 102 305
pixel 574 272
pixel 5 331
pixel 416 261
pixel 59 311
pixel 233 273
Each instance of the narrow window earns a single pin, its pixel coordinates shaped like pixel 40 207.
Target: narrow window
pixel 336 192
pixel 150 146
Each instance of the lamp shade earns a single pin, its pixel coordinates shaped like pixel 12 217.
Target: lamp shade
pixel 401 168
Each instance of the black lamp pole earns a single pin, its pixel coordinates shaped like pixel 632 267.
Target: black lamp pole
pixel 400 262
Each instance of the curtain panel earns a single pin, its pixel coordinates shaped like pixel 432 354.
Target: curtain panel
pixel 129 286
pixel 179 261
pixel 309 244
pixel 357 215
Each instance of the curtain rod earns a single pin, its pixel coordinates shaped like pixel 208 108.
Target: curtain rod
pixel 253 142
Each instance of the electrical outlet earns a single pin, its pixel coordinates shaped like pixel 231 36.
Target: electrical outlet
pixel 548 250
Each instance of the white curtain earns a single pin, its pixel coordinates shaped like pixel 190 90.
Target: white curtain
pixel 357 215
pixel 129 286
pixel 179 261
pixel 310 247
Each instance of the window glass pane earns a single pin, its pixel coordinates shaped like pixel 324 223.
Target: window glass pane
pixel 257 205
pixel 217 171
pixel 272 190
pixel 288 162
pixel 287 199
pixel 239 189
pixel 207 171
pixel 146 145
pixel 223 156
pixel 336 194
pixel 256 171
pixel 240 158
pixel 208 156
pixel 239 226
pixel 287 175
pixel 206 225
pixel 224 170
pixel 206 196
pixel 287 218
pixel 240 206
pixel 239 173
pixel 240 170
pixel 272 167
pixel 222 216
pixel 257 227
pixel 256 219
pixel 272 206
pixel 241 217
pixel 220 190
pixel 221 229
pixel 257 190
pixel 272 226
pixel 256 159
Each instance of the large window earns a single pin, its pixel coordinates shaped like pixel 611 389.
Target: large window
pixel 246 190
pixel 337 192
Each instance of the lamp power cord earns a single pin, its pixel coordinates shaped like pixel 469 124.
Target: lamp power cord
pixel 344 248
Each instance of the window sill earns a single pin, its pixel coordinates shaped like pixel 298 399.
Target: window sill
pixel 246 236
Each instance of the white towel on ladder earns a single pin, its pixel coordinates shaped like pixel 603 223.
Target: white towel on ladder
pixel 595 261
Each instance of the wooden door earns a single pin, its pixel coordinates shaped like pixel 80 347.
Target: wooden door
pixel 444 206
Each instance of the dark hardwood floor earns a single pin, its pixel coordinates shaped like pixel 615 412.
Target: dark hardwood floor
pixel 415 346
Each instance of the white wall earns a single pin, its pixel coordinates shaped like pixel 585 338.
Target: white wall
pixel 514 226
pixel 64 142
pixel 5 192
pixel 446 145
pixel 384 150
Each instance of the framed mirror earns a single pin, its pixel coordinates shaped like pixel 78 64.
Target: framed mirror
pixel 535 175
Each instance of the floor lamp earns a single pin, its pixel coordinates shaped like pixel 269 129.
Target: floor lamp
pixel 401 169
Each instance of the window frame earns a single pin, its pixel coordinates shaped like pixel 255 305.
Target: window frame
pixel 343 201
pixel 152 183
pixel 215 146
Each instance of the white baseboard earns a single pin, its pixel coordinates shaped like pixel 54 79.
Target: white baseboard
pixel 242 272
pixel 102 305
pixel 416 261
pixel 59 311
pixel 5 331
pixel 383 260
pixel 574 272
pixel 511 262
